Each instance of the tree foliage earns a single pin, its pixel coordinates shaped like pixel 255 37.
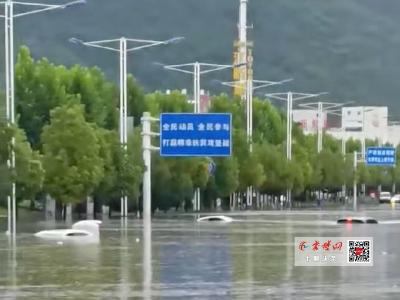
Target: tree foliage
pixel 67 145
pixel 71 152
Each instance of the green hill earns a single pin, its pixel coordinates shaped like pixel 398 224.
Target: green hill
pixel 347 47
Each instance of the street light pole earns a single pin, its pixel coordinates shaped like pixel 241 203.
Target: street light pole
pixel 355 183
pixel 289 125
pixel 344 157
pixel 322 107
pixel 123 51
pixel 196 88
pixel 198 70
pixel 9 16
pixel 363 141
pixel 123 92
pixel 320 126
pixel 289 97
pixel 343 140
pixel 251 86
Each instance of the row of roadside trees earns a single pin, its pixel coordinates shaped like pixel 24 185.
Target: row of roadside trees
pixel 67 146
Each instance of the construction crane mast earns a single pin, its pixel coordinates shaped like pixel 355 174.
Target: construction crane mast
pixel 242 55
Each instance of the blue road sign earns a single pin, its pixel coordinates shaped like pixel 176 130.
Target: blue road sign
pixel 380 156
pixel 185 134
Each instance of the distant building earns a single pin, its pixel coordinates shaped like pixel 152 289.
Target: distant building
pixel 307 119
pixel 205 99
pixel 394 134
pixel 369 120
pixel 373 119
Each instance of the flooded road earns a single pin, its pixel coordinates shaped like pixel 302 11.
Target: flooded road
pixel 178 258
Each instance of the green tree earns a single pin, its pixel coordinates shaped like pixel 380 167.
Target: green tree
pixel 30 173
pixel 42 86
pixel 99 97
pixel 72 158
pixel 226 176
pixel 122 168
pixel 136 100
pixel 39 89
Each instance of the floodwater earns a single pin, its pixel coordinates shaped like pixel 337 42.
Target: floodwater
pixel 178 258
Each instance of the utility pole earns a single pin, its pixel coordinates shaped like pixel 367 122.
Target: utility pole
pixel 343 140
pixel 363 140
pixel 120 45
pixel 321 107
pixel 355 183
pixel 251 86
pixel 147 148
pixel 289 97
pixel 9 15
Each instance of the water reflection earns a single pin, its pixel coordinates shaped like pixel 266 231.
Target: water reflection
pixel 147 259
pixel 182 259
pixel 289 258
pixel 124 264
pixel 10 291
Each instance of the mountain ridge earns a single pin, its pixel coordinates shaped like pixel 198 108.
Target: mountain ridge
pixel 347 48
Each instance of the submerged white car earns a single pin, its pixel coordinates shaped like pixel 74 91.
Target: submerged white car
pixel 82 231
pixel 223 219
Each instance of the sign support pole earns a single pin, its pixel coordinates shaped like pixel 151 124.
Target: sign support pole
pixel 355 183
pixel 344 155
pixel 147 148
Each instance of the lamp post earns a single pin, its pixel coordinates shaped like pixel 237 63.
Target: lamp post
pixel 9 15
pixel 355 182
pixel 338 112
pixel 251 86
pixel 363 140
pixel 322 107
pixel 289 97
pixel 196 69
pixel 121 46
pixel 343 146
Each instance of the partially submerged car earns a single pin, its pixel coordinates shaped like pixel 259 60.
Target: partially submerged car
pixel 223 219
pixel 357 220
pixel 85 231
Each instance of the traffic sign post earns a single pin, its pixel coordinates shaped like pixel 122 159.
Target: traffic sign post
pixel 204 135
pixel 147 148
pixel 185 135
pixel 374 156
pixel 381 156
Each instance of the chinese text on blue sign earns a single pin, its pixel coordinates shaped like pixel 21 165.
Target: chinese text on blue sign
pixel 184 134
pixel 381 156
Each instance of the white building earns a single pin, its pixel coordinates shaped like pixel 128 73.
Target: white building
pixel 355 122
pixel 360 121
pixel 308 120
pixel 394 134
